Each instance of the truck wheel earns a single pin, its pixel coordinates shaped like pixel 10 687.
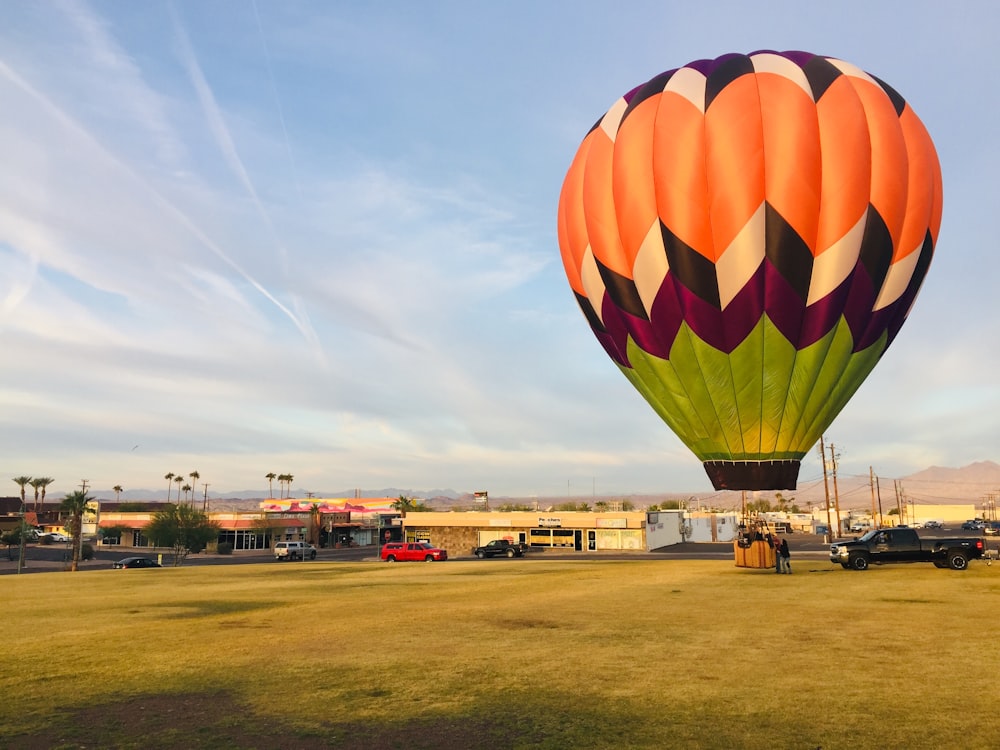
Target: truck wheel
pixel 429 558
pixel 958 560
pixel 481 555
pixel 858 562
pixel 510 553
pixel 391 558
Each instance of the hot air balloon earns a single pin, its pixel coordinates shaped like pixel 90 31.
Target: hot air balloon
pixel 746 236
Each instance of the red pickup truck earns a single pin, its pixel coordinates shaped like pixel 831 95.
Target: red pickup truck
pixel 409 551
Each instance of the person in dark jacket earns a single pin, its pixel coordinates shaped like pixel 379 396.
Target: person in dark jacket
pixel 785 557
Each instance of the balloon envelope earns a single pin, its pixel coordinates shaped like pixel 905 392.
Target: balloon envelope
pixel 746 236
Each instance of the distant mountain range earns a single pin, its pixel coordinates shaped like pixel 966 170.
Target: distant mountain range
pixel 935 485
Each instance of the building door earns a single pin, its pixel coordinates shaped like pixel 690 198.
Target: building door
pixel 591 540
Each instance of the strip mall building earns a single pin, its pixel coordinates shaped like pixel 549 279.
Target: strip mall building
pixel 365 522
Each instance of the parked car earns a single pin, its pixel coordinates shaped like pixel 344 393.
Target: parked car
pixel 294 551
pixel 933 525
pixel 973 524
pixel 404 551
pixel 55 536
pixel 136 562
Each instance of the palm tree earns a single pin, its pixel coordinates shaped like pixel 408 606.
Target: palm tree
pixel 270 477
pixel 179 478
pixel 43 482
pixel 76 504
pixel 36 483
pixel 169 476
pixel 406 504
pixel 187 488
pixel 22 482
pixel 195 476
pixel 288 485
pixel 282 478
pixel 117 489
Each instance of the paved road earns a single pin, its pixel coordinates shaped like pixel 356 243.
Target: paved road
pixel 49 558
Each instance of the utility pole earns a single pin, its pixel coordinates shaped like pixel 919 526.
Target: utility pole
pixel 836 494
pixel 204 503
pixel 835 533
pixel 878 492
pixel 871 483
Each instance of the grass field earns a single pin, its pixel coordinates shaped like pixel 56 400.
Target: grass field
pixel 511 654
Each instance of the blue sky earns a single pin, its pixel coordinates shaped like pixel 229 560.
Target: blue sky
pixel 319 238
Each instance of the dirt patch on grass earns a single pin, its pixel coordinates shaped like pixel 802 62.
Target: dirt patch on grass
pixel 216 720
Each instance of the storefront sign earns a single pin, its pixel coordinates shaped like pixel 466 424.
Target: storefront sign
pixel 550 521
pixel 611 523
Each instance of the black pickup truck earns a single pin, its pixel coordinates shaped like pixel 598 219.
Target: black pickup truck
pixel 499 548
pixel 900 545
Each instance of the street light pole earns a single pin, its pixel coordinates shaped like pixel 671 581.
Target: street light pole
pixel 20 554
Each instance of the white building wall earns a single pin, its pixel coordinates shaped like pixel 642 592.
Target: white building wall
pixel 664 528
pixel 712 527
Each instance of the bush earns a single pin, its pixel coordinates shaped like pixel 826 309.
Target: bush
pixel 86 552
pixel 45 540
pixel 225 548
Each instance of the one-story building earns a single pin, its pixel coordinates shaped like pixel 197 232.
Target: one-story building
pixel 460 532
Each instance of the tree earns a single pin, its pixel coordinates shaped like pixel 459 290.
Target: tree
pixel 407 504
pixel 22 482
pixel 169 476
pixel 117 489
pixel 12 538
pixel 316 524
pixel 179 480
pixel 182 528
pixel 569 506
pixel 195 476
pixel 76 504
pixel 35 482
pixel 43 482
pixel 186 489
pixel 270 477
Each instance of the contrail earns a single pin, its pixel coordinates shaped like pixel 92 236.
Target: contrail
pixel 230 153
pixel 58 114
pixel 277 99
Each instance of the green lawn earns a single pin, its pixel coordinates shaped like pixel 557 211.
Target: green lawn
pixel 518 654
